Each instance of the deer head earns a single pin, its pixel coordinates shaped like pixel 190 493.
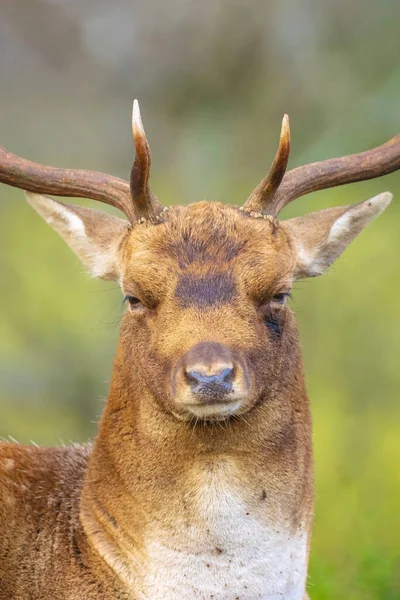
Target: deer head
pixel 207 324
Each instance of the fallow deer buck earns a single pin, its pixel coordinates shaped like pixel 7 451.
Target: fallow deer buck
pixel 199 483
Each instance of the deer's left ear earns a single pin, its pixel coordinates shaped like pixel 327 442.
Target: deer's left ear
pixel 93 235
pixel 319 238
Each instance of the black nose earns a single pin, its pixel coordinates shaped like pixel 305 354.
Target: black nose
pixel 211 385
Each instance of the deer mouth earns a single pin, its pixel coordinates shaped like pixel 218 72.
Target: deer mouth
pixel 213 409
pixel 217 410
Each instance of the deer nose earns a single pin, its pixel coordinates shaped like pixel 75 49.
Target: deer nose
pixel 214 383
pixel 209 370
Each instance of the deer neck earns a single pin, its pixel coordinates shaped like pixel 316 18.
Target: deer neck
pixel 156 482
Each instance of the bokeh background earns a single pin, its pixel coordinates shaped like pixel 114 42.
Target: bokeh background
pixel 214 79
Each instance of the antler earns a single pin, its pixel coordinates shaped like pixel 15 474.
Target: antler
pixel 136 200
pixel 333 172
pixel 260 199
pixel 146 204
pixel 34 177
pixel 321 175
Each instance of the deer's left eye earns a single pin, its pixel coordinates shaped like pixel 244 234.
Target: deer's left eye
pixel 281 298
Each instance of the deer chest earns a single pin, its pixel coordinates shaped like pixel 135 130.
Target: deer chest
pixel 216 548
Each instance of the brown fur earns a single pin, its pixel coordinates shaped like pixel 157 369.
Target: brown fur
pixel 74 522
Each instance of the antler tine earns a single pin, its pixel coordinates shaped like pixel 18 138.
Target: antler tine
pixel 136 199
pixel 34 177
pixel 333 172
pixel 262 198
pixel 145 203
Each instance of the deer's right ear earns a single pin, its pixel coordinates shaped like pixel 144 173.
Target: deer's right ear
pixel 93 235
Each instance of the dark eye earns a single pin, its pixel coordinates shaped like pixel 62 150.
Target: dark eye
pixel 281 298
pixel 132 301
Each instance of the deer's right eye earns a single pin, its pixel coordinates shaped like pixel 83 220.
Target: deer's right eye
pixel 132 301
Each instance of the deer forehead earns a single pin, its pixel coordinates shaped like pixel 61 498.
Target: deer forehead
pixel 207 241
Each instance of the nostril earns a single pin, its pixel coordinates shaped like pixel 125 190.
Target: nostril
pixel 227 375
pixel 193 377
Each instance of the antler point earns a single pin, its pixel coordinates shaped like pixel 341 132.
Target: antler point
pixel 137 123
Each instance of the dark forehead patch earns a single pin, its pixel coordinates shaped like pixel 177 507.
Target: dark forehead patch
pixel 205 291
pixel 210 246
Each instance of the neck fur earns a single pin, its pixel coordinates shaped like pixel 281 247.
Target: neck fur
pixel 155 480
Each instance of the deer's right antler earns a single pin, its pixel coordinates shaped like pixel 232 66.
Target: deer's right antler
pixel 145 203
pixel 135 200
pixel 41 179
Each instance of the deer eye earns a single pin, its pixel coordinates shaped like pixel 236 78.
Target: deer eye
pixel 281 298
pixel 132 301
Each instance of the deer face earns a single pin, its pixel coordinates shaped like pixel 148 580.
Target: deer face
pixel 207 315
pixel 207 323
pixel 207 328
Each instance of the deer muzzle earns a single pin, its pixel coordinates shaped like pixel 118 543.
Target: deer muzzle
pixel 210 380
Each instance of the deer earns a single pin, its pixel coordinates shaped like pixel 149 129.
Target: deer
pixel 199 482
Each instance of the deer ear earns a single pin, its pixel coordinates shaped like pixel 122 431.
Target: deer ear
pixel 320 238
pixel 93 235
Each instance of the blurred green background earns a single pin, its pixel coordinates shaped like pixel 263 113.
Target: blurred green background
pixel 214 79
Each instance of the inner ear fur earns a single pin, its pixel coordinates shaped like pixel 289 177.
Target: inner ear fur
pixel 319 238
pixel 93 235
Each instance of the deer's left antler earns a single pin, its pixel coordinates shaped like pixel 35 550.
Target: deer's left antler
pixel 277 189
pixel 263 196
